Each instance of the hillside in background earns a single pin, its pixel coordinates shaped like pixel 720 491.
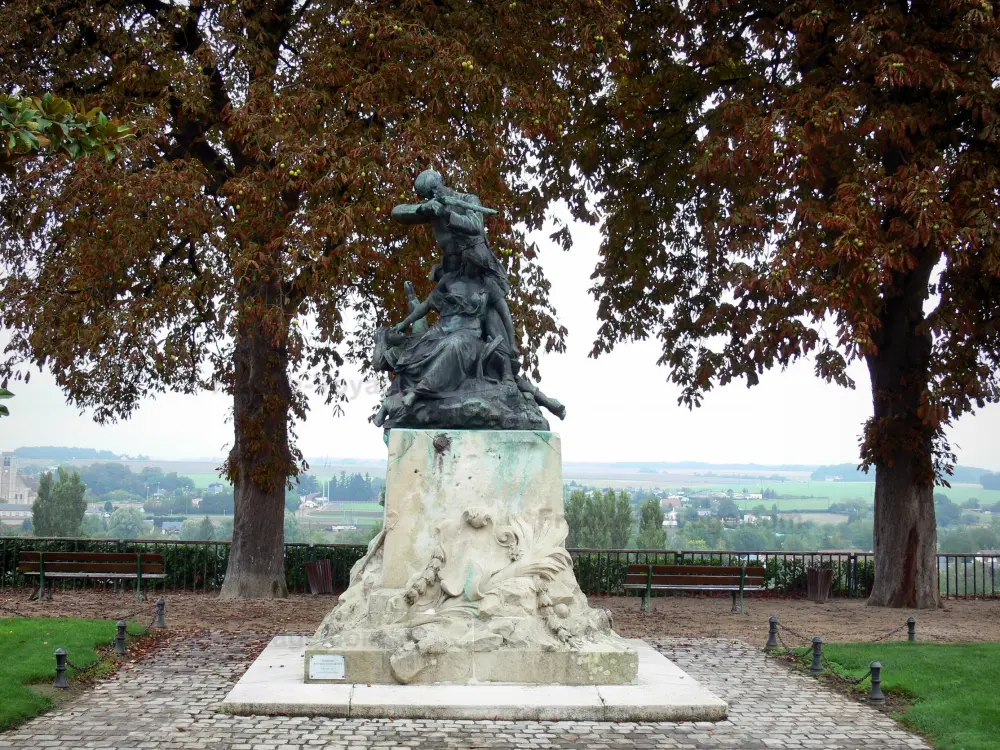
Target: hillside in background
pixel 62 453
pixel 851 473
pixel 695 472
pixel 692 465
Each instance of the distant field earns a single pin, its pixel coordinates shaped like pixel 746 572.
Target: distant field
pixel 817 495
pixel 830 519
pixel 196 516
pixel 806 495
pixel 835 492
pixel 181 467
pixel 335 517
pixel 202 479
pixel 786 504
pixel 629 476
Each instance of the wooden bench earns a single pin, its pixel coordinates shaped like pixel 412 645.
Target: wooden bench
pixel 138 566
pixel 651 577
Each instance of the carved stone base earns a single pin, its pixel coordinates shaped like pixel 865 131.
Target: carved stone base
pixel 469 580
pixel 595 664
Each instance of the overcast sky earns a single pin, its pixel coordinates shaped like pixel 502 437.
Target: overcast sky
pixel 620 406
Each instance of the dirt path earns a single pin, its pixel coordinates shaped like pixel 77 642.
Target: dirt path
pixel 674 616
pixel 836 620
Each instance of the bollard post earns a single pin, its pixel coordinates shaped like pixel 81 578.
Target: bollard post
pixel 120 638
pixel 817 665
pixel 161 607
pixel 772 634
pixel 911 629
pixel 61 681
pixel 876 696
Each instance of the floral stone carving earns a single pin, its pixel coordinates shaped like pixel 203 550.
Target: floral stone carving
pixel 491 584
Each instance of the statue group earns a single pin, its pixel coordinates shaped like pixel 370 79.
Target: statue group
pixel 462 371
pixel 469 579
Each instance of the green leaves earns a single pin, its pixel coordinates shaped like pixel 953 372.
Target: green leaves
pixel 652 535
pixel 60 505
pixel 4 394
pixel 599 520
pixel 29 125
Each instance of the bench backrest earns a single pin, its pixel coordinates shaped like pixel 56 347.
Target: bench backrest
pixel 693 575
pixel 90 562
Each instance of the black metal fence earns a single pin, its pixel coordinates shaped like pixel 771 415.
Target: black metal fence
pixel 201 566
pixel 603 571
pixel 189 566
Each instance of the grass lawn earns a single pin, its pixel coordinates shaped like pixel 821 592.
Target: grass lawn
pixel 951 687
pixel 27 647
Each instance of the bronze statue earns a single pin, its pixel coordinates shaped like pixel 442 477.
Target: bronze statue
pixel 461 372
pixel 457 222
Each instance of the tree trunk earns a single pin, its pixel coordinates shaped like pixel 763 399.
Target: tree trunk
pixel 259 465
pixel 899 442
pixel 905 540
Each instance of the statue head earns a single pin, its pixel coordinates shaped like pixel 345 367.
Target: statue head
pixel 428 183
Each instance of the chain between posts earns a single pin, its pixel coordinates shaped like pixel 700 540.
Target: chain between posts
pixel 92 664
pixel 144 630
pixel 116 645
pixel 819 661
pixel 800 636
pixel 890 633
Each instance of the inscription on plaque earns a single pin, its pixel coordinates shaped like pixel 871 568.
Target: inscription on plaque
pixel 326 667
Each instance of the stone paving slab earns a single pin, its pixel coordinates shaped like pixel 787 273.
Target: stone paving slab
pixel 275 685
pixel 169 701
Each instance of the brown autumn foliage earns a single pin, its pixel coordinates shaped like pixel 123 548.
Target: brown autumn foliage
pixel 786 179
pixel 242 241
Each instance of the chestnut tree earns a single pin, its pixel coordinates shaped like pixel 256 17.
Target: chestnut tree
pixel 242 240
pixel 817 178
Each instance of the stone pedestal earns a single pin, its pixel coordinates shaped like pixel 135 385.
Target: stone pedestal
pixel 469 581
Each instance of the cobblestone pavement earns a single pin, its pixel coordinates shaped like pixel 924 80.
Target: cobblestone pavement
pixel 169 699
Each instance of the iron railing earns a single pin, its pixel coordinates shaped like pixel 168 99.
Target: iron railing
pixel 602 572
pixel 189 565
pixel 201 566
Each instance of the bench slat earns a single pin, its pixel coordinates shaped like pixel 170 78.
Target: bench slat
pixel 675 587
pixel 678 581
pixel 700 581
pixel 96 557
pixel 94 575
pixel 66 567
pixel 641 569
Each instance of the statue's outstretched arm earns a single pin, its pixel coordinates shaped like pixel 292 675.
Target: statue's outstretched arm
pixel 408 213
pixel 418 313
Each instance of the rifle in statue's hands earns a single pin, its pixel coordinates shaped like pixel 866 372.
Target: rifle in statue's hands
pixel 437 206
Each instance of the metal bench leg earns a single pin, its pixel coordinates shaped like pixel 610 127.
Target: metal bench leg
pixel 41 576
pixel 743 582
pixel 736 609
pixel 648 599
pixel 138 576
